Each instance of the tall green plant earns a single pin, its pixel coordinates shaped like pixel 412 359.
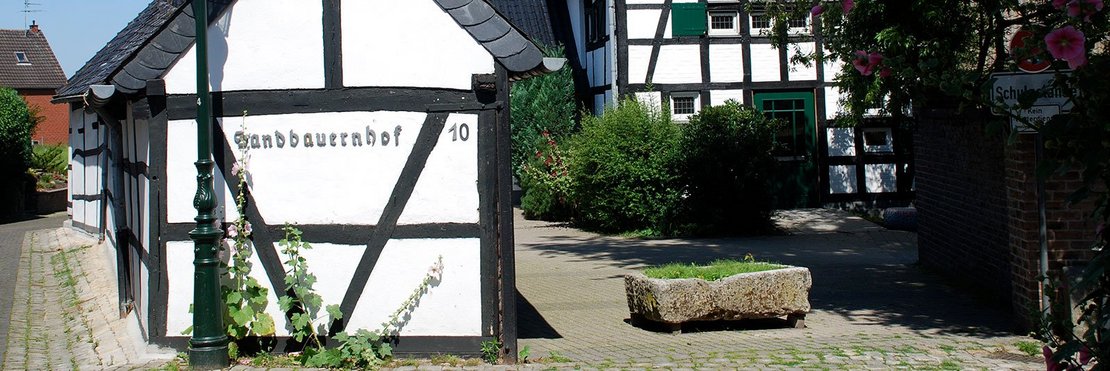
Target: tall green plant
pixel 542 104
pixel 245 298
pixel 621 162
pixel 16 125
pixel 726 165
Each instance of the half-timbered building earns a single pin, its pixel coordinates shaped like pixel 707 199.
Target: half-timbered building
pixel 377 127
pixel 689 54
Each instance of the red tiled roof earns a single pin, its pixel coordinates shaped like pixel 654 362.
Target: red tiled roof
pixel 43 71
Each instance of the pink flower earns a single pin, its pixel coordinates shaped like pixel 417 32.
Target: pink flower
pixel 1085 8
pixel 232 231
pixel 235 169
pixel 817 10
pixel 1059 4
pixel 866 63
pixel 1074 9
pixel 1049 366
pixel 246 229
pixel 847 5
pixel 1066 44
pixel 1077 62
pixel 885 72
pixel 1084 356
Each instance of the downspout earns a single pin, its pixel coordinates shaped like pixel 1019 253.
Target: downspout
pixel 1042 224
pixel 97 98
pixel 613 63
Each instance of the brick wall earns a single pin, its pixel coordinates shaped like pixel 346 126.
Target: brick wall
pixel 1070 230
pixel 54 128
pixel 961 202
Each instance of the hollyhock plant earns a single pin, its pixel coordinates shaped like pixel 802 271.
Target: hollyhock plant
pixel 817 10
pixel 866 63
pixel 847 5
pixel 1067 44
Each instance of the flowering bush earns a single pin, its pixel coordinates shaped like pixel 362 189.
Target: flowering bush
pixel 915 53
pixel 547 183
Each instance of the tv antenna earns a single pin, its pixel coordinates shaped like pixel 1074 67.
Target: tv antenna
pixel 27 10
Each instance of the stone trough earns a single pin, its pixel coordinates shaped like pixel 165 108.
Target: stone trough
pixel 757 295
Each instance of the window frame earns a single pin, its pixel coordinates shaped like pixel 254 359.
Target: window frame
pixel 732 31
pixel 759 31
pixel 888 135
pixel 685 117
pixel 21 58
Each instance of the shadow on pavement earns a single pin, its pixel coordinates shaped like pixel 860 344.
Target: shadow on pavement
pixel 531 322
pixel 867 277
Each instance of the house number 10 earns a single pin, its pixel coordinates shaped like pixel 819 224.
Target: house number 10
pixel 459 131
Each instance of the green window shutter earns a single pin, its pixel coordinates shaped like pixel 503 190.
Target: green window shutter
pixel 688 19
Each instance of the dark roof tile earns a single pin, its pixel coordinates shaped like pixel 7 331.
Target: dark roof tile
pixel 43 71
pixel 531 16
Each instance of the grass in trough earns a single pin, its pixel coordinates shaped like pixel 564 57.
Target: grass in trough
pixel 716 270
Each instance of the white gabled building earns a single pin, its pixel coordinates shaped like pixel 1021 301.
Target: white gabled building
pixel 689 54
pixel 379 127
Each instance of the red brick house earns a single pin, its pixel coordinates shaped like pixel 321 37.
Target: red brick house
pixel 28 65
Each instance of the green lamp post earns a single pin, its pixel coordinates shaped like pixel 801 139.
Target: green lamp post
pixel 208 346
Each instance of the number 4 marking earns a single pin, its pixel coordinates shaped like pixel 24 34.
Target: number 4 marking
pixel 459 131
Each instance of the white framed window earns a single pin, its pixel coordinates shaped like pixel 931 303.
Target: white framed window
pixel 724 24
pixel 21 58
pixel 760 24
pixel 798 24
pixel 684 105
pixel 878 140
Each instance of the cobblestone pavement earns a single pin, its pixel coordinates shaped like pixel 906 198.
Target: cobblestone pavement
pixel 64 313
pixel 872 307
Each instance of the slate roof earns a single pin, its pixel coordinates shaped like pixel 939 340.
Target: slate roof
pixel 43 71
pixel 164 30
pixel 531 16
pixel 106 62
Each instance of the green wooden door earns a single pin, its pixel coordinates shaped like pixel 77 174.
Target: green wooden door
pixel 795 184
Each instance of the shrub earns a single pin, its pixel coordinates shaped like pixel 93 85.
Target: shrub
pixel 543 104
pixel 621 165
pixel 726 165
pixel 549 183
pixel 16 125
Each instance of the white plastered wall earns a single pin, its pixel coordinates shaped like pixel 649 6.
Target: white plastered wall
pixel 259 44
pixel 419 33
pixel 451 307
pixel 765 63
pixel 678 64
pixel 726 63
pixel 719 97
pixel 358 180
pixel 799 71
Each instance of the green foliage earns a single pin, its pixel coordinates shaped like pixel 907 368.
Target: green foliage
pixel 491 351
pixel 941 53
pixel 542 104
pixel 548 182
pixel 1029 348
pixel 726 165
pixel 244 297
pixel 523 354
pixel 16 125
pixel 362 350
pixel 301 303
pixel 621 162
pixel 714 271
pixel 50 158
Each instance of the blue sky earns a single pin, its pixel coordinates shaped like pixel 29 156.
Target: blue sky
pixel 76 29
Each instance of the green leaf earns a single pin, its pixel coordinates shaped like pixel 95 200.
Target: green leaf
pixel 187 331
pixel 263 325
pixel 285 303
pixel 243 316
pixel 234 297
pixel 334 312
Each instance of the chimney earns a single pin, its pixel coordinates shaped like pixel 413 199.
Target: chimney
pixel 34 27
